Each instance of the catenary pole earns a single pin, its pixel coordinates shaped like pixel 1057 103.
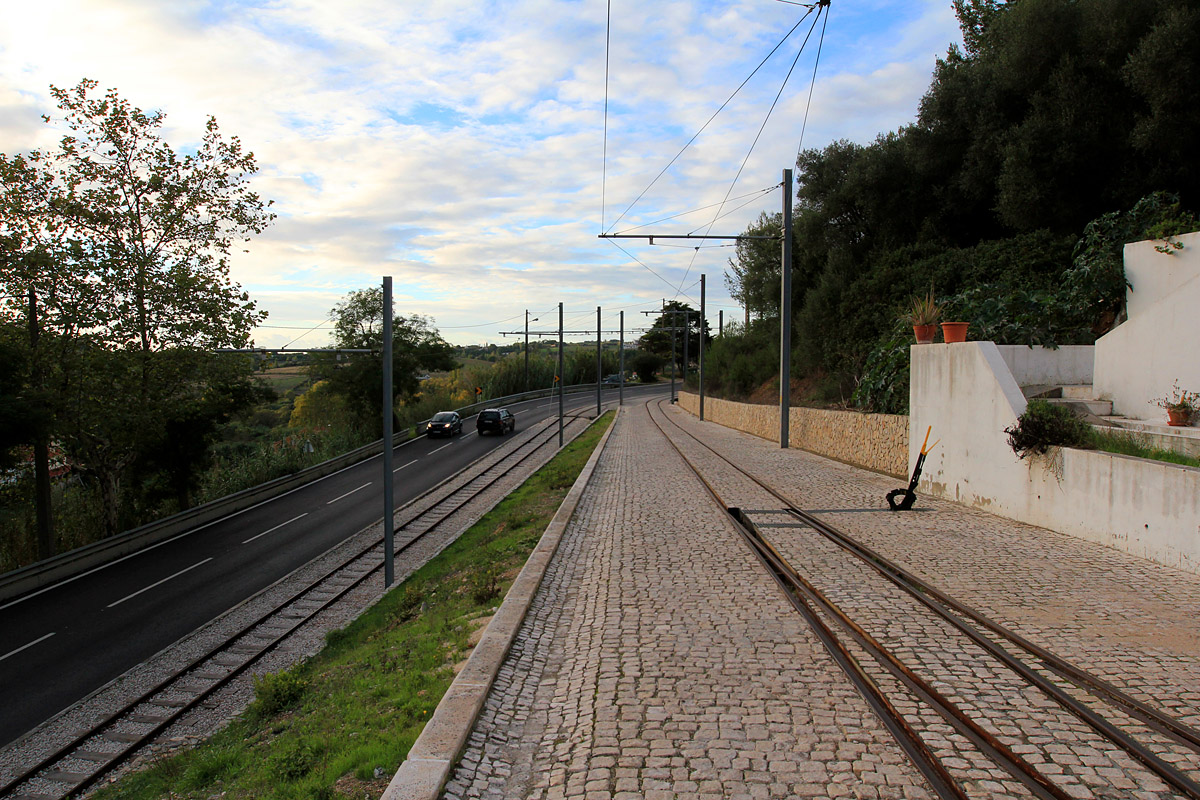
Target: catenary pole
pixel 621 351
pixel 527 349
pixel 560 375
pixel 721 322
pixel 785 316
pixel 599 366
pixel 674 325
pixel 687 335
pixel 701 355
pixel 388 567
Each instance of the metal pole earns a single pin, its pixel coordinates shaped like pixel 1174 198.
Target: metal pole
pixel 702 347
pixel 527 349
pixel 674 325
pixel 388 522
pixel 599 366
pixel 721 322
pixel 687 335
pixel 41 451
pixel 621 351
pixel 785 316
pixel 560 375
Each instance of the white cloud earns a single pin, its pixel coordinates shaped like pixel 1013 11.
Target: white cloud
pixel 457 145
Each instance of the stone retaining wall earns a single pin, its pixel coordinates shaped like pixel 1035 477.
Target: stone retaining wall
pixel 876 442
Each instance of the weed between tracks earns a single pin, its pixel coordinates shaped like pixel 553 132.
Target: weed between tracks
pixel 338 725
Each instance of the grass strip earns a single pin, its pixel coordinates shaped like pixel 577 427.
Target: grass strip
pixel 1129 444
pixel 339 724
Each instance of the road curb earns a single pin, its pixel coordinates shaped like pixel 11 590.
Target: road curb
pixel 436 750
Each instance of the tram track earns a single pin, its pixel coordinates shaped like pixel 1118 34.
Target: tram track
pixel 1153 745
pixel 71 768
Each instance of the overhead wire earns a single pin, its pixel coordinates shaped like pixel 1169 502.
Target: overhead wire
pixel 763 127
pixel 808 105
pixel 753 195
pixel 710 119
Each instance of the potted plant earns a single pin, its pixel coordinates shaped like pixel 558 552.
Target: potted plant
pixel 923 314
pixel 1180 405
pixel 953 331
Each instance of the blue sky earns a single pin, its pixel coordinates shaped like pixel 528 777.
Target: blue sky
pixel 457 146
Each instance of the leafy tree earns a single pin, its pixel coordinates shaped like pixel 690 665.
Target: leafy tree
pixel 753 280
pixel 658 339
pixel 358 324
pixel 125 241
pixel 646 366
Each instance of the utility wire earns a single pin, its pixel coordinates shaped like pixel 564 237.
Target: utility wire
pixel 761 128
pixel 804 125
pixel 753 195
pixel 710 119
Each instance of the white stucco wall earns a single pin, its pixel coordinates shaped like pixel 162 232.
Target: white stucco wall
pixel 968 394
pixel 1070 364
pixel 1140 360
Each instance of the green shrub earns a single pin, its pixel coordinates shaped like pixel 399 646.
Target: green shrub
pixel 883 387
pixel 278 692
pixel 1043 426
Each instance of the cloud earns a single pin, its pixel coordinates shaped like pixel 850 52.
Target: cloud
pixel 458 146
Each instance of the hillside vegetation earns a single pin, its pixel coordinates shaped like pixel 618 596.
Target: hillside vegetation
pixel 1057 133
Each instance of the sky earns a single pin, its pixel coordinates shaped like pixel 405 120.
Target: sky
pixel 464 149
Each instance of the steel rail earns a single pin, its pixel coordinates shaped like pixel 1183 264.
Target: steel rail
pixel 175 712
pixel 913 745
pixel 1018 767
pixel 1096 686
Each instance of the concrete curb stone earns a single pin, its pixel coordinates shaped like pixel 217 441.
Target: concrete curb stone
pixel 433 755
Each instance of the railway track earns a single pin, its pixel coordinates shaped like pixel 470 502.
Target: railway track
pixel 972 692
pixel 75 766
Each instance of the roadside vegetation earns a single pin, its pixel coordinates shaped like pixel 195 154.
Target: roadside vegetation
pixel 338 725
pixel 1044 425
pixel 990 199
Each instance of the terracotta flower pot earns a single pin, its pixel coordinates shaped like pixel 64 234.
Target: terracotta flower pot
pixel 954 331
pixel 1179 417
pixel 924 333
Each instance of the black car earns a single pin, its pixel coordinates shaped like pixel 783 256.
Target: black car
pixel 496 420
pixel 444 423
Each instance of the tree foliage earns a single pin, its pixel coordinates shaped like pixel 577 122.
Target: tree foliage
pixel 125 242
pixel 358 324
pixel 1041 146
pixel 682 316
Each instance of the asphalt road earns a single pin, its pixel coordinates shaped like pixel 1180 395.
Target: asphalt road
pixel 63 642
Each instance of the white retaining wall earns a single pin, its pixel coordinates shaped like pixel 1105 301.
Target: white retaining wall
pixel 1139 360
pixel 969 395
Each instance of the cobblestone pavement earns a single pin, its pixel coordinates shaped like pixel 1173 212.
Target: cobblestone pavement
pixel 659 660
pixel 1055 742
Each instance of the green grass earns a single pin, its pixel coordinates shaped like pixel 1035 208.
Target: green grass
pixel 1129 445
pixel 323 728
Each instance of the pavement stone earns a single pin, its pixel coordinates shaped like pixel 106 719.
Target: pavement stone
pixel 659 660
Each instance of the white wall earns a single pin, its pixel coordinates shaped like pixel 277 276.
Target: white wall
pixel 1068 365
pixel 969 395
pixel 1140 360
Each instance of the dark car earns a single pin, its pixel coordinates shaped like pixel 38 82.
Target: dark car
pixel 611 380
pixel 495 420
pixel 444 423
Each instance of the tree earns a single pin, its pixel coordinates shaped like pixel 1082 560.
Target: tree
pixel 646 365
pixel 754 277
pixel 358 324
pixel 125 242
pixel 658 339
